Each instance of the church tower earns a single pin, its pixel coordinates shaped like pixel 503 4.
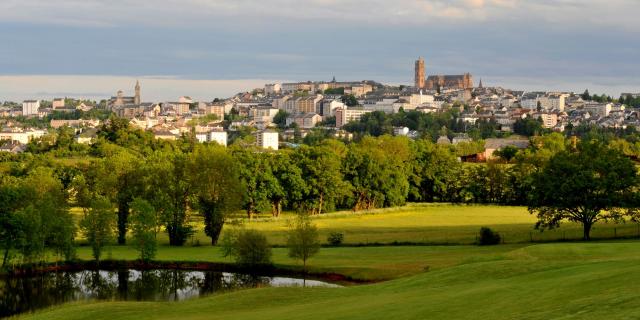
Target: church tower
pixel 419 74
pixel 136 98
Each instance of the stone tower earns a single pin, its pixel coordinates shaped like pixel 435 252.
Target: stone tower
pixel 420 74
pixel 136 98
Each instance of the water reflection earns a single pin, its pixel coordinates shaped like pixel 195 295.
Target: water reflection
pixel 23 294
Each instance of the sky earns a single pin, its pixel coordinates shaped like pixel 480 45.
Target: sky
pixel 216 48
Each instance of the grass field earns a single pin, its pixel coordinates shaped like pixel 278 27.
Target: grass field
pixel 517 280
pixel 539 281
pixel 430 224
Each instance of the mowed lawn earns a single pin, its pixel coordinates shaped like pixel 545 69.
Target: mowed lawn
pixel 432 224
pixel 417 223
pixel 539 281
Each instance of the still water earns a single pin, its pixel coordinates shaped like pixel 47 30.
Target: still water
pixel 24 294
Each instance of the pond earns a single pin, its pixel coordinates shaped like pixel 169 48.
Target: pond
pixel 30 293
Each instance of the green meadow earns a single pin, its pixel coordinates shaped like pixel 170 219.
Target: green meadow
pixel 539 281
pixel 418 280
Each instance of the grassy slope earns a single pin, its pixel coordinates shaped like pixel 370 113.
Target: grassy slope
pixel 545 281
pixel 367 263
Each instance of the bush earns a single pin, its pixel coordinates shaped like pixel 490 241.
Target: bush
pixel 335 238
pixel 249 248
pixel 488 237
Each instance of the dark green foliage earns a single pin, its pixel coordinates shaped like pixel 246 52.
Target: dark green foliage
pixel 590 183
pixel 249 248
pixel 335 238
pixel 339 91
pixel 143 228
pixel 507 153
pixel 216 185
pixel 98 225
pixel 488 237
pixel 528 127
pixel 168 189
pixel 280 119
pixel 350 100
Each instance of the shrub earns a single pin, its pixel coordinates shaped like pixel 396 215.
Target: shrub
pixel 249 248
pixel 488 237
pixel 335 238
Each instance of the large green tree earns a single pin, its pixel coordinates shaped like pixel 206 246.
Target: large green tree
pixel 98 225
pixel 287 186
pixel 256 178
pixel 321 169
pixel 143 227
pixel 216 186
pixel 168 189
pixel 588 184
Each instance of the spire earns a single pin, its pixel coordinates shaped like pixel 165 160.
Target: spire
pixel 334 79
pixel 480 84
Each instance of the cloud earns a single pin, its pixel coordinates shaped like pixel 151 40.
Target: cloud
pixel 198 13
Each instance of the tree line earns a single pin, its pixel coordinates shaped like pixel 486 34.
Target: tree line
pixel 135 185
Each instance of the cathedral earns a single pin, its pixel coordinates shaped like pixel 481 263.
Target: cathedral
pixel 463 81
pixel 120 100
pixel 435 82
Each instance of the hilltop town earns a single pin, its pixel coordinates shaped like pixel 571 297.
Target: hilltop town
pixel 284 114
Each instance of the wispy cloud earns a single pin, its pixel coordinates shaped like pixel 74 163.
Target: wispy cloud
pixel 185 13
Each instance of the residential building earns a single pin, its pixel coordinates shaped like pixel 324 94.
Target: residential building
pixel 491 145
pixel 30 107
pixel 600 109
pixel 400 131
pixel 219 137
pixel 304 121
pixel 272 88
pixel 267 139
pixel 549 120
pixel 329 107
pixel 13 147
pixel 57 103
pixel 207 108
pixel 346 115
pixel 21 135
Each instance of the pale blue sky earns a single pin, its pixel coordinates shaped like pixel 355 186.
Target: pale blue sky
pixel 95 47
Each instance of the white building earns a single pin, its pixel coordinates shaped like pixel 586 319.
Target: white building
pixel 30 107
pixel 22 136
pixel 329 107
pixel 267 139
pixel 219 137
pixel 601 109
pixel 400 131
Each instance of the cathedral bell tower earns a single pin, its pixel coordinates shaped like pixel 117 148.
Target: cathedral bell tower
pixel 136 99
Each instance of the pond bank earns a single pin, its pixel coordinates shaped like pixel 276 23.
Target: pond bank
pixel 114 265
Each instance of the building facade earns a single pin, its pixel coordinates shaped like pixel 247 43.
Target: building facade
pixel 435 82
pixel 30 107
pixel 267 140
